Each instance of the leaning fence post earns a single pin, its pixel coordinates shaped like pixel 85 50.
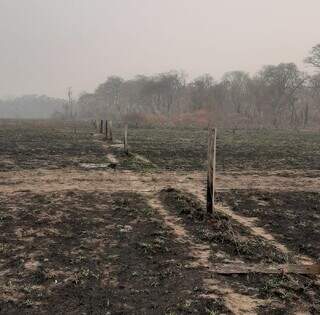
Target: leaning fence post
pixel 212 139
pixel 101 126
pixel 125 139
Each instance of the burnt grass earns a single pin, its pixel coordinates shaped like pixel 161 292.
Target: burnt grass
pixel 233 243
pixel 41 145
pixel 83 252
pixel 76 252
pixel 50 144
pixel 292 217
pixel 256 150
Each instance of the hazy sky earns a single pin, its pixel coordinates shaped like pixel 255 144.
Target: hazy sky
pixel 48 45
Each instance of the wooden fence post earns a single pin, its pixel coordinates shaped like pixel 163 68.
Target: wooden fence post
pixel 110 131
pixel 125 139
pixel 212 139
pixel 106 129
pixel 101 126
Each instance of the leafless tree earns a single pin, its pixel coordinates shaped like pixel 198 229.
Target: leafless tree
pixel 237 83
pixel 314 57
pixel 281 85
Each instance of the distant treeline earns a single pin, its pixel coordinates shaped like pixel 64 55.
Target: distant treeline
pixel 278 96
pixel 32 106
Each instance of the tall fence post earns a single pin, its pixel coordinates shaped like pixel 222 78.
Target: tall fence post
pixel 212 139
pixel 125 139
pixel 101 126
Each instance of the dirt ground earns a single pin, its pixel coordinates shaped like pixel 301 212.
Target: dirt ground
pixel 86 229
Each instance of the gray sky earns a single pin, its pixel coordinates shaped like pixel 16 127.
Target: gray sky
pixel 48 45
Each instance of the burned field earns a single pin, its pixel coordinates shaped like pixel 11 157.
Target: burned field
pixel 92 253
pixel 34 145
pixel 252 150
pixel 296 213
pixel 134 238
pixel 229 241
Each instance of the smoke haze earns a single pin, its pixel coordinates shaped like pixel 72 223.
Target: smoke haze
pixel 48 45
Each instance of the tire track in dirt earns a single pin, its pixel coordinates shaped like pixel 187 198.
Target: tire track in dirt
pixel 238 303
pixel 195 184
pixel 249 224
pixel 200 253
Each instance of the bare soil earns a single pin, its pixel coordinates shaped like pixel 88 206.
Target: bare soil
pixel 93 253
